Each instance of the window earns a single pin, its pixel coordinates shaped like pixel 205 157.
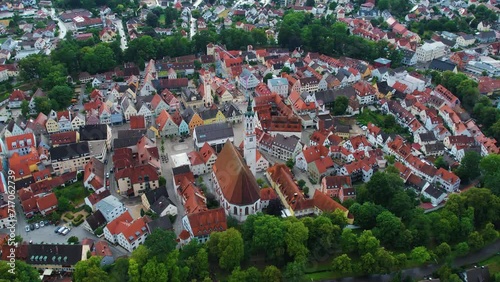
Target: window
pixel 235 210
pixel 246 211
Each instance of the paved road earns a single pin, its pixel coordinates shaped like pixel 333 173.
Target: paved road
pixel 62 27
pixel 423 271
pixel 123 41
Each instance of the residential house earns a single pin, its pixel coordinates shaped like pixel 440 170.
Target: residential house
pixel 16 98
pixel 134 181
pixel 166 125
pixel 110 207
pixel 71 157
pixel 127 232
pixel 93 175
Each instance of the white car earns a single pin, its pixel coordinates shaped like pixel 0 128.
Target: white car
pixel 27 228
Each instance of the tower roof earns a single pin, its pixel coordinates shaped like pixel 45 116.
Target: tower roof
pixel 249 112
pixel 237 182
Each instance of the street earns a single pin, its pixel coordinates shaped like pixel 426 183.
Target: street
pixel 60 24
pixel 119 25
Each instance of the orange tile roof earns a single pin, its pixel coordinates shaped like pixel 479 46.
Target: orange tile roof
pixel 114 225
pixel 47 201
pixel 237 183
pixel 205 222
pixel 447 176
pixel 192 196
pixel 102 249
pixel 162 119
pixel 267 194
pixel 325 203
pixel 207 152
pixel 195 158
pixel 281 175
pixel 131 230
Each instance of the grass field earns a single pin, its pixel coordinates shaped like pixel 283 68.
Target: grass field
pixel 493 263
pixel 162 19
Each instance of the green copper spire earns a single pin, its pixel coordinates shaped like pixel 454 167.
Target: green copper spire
pixel 249 108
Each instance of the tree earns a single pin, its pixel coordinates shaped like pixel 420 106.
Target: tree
pixel 301 183
pixel 383 186
pixel 60 96
pixel 63 204
pixel 322 235
pixel 160 242
pixel 294 272
pixel 365 215
pixel 441 163
pixel 368 263
pixel 271 274
pixel 342 264
pixel 310 3
pixel 23 272
pixel 290 163
pixel 348 241
pixel 386 260
pixel 469 166
pixel 154 271
pixel 475 241
pixel 152 20
pixel 269 236
pixel 340 105
pixel 227 246
pixel 295 239
pixel 89 270
pixel 25 109
pixel 489 167
pixel 162 181
pixel 275 207
pixel 133 271
pixel 420 255
pixel 367 243
pixel 443 250
pixel 388 227
pixel 461 249
pixel 119 271
pixel 73 239
pixel 489 233
pixel 140 255
pixel 34 67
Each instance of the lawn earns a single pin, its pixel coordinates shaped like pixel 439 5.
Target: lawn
pixel 162 19
pixel 386 122
pixel 493 263
pixel 75 192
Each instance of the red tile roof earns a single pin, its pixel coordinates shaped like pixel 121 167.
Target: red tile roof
pixel 325 203
pixel 63 138
pixel 47 201
pixel 114 226
pixel 137 122
pixel 237 183
pixel 205 222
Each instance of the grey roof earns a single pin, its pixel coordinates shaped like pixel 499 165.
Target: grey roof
pixel 487 34
pixel 427 137
pixel 229 109
pixel 108 204
pixel 180 170
pixel 155 194
pixel 94 132
pixel 69 151
pixel 161 204
pixel 442 65
pixel 436 147
pixel 54 254
pixel 162 223
pixel 211 132
pixel 434 191
pixel 208 114
pixel 96 220
pixel 284 142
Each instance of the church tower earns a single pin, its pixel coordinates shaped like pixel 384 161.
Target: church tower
pixel 207 95
pixel 250 141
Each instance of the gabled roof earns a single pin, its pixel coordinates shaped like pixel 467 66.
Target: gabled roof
pixel 137 122
pixel 237 183
pixel 205 222
pixel 47 201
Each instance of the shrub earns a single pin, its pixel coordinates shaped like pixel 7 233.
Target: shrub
pixel 78 217
pixel 76 223
pixel 69 216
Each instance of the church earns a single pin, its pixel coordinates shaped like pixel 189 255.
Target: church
pixel 234 176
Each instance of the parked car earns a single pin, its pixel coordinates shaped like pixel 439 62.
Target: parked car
pixel 66 231
pixel 37 225
pixel 61 229
pixel 107 174
pixel 42 224
pixel 32 227
pixel 57 229
pixel 27 228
